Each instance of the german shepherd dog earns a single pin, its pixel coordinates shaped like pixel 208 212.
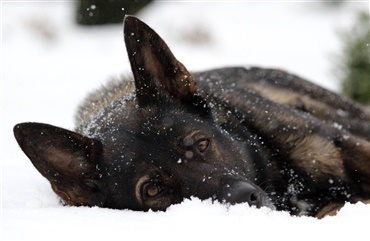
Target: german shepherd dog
pixel 258 136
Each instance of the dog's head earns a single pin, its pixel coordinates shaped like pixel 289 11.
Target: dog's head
pixel 151 150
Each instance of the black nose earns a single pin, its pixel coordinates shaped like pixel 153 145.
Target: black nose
pixel 242 192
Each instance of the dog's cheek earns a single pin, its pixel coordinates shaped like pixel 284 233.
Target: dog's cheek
pixel 97 199
pixel 161 204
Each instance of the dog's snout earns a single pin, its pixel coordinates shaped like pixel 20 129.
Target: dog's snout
pixel 242 192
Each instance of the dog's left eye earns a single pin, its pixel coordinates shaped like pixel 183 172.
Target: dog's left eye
pixel 152 190
pixel 202 145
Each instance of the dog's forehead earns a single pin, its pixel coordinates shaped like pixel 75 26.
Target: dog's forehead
pixel 150 132
pixel 169 117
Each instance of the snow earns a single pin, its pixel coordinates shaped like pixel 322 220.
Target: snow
pixel 49 65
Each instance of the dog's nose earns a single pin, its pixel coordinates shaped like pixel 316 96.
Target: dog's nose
pixel 242 192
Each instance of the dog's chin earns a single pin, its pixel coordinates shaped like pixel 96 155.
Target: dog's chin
pixel 267 202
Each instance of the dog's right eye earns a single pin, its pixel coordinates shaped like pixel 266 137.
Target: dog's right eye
pixel 202 145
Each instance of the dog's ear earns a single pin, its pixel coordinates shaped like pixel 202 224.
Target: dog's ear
pixel 67 159
pixel 156 70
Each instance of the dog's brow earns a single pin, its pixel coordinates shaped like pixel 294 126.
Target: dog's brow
pixel 188 140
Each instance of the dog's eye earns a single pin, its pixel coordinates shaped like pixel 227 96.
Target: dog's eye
pixel 152 190
pixel 202 145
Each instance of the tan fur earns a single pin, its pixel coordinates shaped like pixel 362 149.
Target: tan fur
pixel 318 157
pixel 275 94
pixel 296 100
pixel 329 210
pixel 333 208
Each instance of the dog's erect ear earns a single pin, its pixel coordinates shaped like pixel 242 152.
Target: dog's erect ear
pixel 67 159
pixel 156 70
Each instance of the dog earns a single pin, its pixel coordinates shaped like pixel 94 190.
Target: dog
pixel 258 136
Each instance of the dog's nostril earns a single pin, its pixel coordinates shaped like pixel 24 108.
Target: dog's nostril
pixel 253 197
pixel 243 192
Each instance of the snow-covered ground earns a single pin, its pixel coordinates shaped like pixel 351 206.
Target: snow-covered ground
pixel 49 65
